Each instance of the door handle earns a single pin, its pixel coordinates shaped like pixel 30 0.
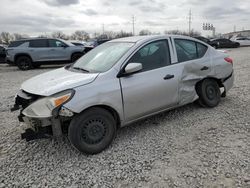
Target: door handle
pixel 204 68
pixel 168 76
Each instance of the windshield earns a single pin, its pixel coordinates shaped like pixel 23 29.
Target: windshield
pixel 103 57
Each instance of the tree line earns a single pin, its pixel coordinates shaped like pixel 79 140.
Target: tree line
pixel 81 35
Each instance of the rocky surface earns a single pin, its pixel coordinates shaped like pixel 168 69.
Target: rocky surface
pixel 186 147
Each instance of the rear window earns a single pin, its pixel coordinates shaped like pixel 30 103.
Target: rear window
pixel 201 49
pixel 40 43
pixel 17 43
pixel 189 50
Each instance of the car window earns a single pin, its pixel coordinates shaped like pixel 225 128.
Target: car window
pixel 201 49
pixel 55 43
pixel 153 55
pixel 16 43
pixel 40 43
pixel 186 50
pixel 189 50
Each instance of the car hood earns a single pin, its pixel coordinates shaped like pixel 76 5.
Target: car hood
pixel 52 82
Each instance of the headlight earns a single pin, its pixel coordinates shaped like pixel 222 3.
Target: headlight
pixel 43 108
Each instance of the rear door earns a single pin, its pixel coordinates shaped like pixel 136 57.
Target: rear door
pixel 38 49
pixel 58 50
pixel 193 64
pixel 154 88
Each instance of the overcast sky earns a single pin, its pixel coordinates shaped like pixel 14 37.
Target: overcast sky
pixel 36 17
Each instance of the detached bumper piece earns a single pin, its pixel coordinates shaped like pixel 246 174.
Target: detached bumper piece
pixel 29 135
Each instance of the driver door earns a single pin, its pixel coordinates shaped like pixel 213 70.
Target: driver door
pixel 155 87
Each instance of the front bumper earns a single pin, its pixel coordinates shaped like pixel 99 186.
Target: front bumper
pixel 40 128
pixel 37 127
pixel 10 59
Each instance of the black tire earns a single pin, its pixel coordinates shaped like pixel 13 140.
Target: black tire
pixel 209 93
pixel 75 57
pixel 92 131
pixel 24 63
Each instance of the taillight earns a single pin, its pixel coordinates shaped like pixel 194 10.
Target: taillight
pixel 229 60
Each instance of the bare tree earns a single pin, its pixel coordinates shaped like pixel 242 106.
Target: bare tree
pixel 194 33
pixel 107 35
pixel 178 32
pixel 80 35
pixel 17 36
pixel 6 37
pixel 123 34
pixel 43 36
pixel 145 32
pixel 59 35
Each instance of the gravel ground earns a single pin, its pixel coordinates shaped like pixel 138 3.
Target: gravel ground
pixel 187 147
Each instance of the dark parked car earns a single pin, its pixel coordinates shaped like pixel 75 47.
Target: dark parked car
pixel 2 53
pixel 224 43
pixel 203 39
pixel 92 44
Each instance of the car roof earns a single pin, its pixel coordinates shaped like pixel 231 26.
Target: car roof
pixel 29 39
pixel 136 39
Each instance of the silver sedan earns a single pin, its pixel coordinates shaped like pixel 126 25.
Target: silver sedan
pixel 120 82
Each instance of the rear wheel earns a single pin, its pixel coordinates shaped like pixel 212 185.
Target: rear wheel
pixel 92 131
pixel 209 93
pixel 24 63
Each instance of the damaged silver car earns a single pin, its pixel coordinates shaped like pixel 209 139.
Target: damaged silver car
pixel 120 82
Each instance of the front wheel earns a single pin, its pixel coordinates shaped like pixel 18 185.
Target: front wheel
pixel 92 131
pixel 209 93
pixel 24 63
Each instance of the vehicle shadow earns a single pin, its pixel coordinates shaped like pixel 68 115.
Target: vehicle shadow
pixel 51 66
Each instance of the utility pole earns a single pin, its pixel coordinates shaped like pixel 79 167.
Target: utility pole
pixel 133 24
pixel 189 21
pixel 103 29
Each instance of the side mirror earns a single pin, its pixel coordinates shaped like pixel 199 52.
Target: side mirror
pixel 133 67
pixel 130 69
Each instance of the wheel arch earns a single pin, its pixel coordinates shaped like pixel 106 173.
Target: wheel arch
pixel 219 82
pixel 110 109
pixel 21 55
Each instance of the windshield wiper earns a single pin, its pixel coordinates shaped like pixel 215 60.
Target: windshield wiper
pixel 81 69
